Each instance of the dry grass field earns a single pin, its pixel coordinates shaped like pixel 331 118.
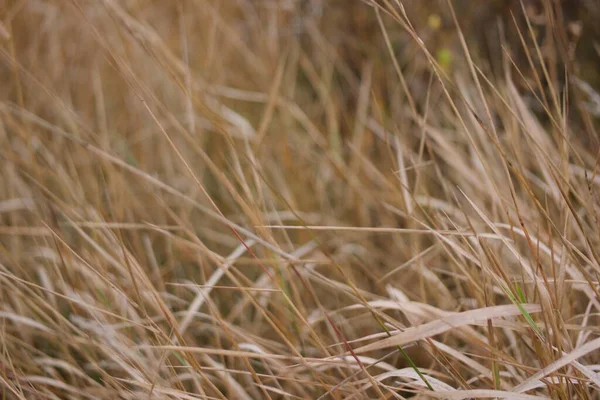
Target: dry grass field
pixel 299 199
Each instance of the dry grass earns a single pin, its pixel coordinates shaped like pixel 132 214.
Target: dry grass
pixel 246 199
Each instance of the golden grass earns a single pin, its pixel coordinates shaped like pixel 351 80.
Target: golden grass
pixel 245 199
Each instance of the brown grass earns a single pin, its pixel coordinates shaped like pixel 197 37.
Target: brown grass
pixel 244 199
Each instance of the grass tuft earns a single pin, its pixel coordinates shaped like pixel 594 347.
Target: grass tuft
pixel 299 199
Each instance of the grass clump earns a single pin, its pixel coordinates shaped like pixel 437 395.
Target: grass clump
pixel 299 199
